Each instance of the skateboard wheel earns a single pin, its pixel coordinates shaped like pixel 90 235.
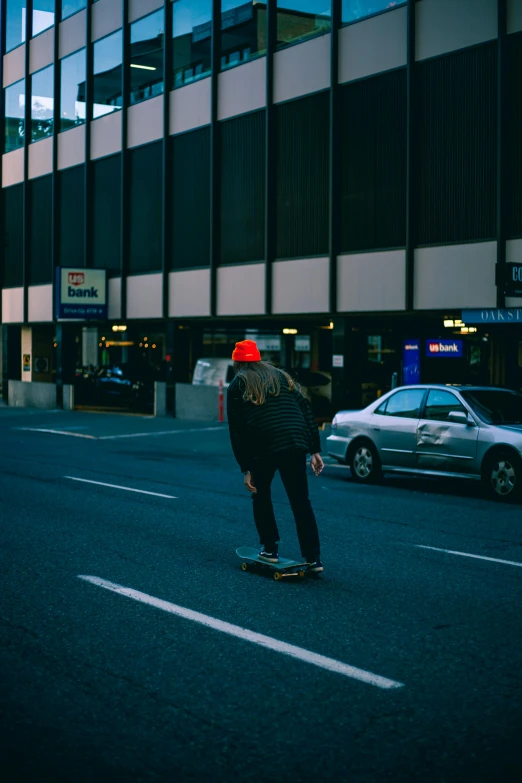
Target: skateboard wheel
pixel 244 566
pixel 277 576
pixel 301 574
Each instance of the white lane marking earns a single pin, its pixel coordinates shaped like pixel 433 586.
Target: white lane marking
pixel 57 432
pixel 163 432
pixel 117 486
pixel 466 554
pixel 250 636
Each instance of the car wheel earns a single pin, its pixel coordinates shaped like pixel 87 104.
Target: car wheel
pixel 503 476
pixel 365 463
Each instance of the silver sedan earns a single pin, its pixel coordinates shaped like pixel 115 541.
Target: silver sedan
pixel 467 432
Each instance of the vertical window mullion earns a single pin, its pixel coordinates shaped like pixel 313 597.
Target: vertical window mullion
pixel 27 141
pixel 125 196
pixel 214 155
pixel 88 113
pixel 168 173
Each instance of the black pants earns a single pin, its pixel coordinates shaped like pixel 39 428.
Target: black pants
pixel 292 468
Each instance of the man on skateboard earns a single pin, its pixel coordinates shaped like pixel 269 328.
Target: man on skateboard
pixel 272 428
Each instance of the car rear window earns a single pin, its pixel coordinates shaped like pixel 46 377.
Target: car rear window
pixel 405 403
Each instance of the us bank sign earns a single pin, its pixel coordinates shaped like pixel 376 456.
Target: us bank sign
pixel 81 293
pixel 493 315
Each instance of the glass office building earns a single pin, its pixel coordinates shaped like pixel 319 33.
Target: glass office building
pixel 340 178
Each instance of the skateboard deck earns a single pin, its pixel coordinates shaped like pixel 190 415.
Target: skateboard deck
pixel 284 568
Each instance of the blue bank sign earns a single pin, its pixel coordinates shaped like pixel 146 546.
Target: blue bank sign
pixel 445 348
pixel 81 293
pixel 493 315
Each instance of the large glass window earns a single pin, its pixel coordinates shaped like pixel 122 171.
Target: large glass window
pixel 43 15
pixel 108 68
pixel 15 23
pixel 72 76
pixel 243 31
pixel 70 7
pixel 146 55
pixel 192 33
pixel 14 116
pixel 42 104
pixel 301 19
pixel 359 9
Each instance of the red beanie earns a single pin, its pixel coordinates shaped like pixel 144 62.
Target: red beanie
pixel 246 351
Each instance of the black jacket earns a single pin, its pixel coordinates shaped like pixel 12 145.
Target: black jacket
pixel 281 423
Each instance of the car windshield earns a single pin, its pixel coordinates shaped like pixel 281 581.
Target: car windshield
pixel 495 406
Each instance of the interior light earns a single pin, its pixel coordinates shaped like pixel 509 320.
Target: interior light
pixel 118 328
pixel 448 323
pixel 289 331
pixel 103 339
pixel 143 67
pixel 458 322
pixel 146 345
pixel 331 325
pixel 153 345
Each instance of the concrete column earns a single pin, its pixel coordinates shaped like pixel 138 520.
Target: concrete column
pixel 160 398
pixel 89 345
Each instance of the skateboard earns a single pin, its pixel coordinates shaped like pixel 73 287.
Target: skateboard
pixel 284 568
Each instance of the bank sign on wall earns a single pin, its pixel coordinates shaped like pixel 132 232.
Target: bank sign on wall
pixel 81 293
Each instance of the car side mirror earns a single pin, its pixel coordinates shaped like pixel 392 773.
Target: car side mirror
pixel 459 417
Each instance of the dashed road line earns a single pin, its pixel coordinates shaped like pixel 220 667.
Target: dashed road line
pixel 467 554
pixel 117 486
pixel 267 642
pixel 156 434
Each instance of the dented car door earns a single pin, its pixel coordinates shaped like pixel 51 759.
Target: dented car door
pixel 445 445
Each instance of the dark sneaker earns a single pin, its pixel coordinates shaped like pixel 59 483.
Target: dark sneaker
pixel 315 567
pixel 269 556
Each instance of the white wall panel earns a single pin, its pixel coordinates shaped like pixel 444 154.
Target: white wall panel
pixel 138 8
pixel 12 305
pixel 189 293
pixel 514 256
pixel 242 89
pixel 145 122
pixel 447 25
pixel 455 276
pixel 514 16
pixel 301 286
pixel 73 34
pixel 302 69
pixel 40 303
pixel 144 296
pixel 14 66
pixel 190 107
pixel 106 135
pixel 41 52
pixel 371 281
pixel 373 45
pixel 12 168
pixel 114 288
pixel 106 18
pixel 241 289
pixel 40 158
pixel 71 147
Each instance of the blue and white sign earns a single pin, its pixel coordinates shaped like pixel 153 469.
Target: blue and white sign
pixel 81 293
pixel 493 315
pixel 411 360
pixel 444 349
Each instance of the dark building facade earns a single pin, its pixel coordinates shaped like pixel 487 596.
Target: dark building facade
pixel 340 178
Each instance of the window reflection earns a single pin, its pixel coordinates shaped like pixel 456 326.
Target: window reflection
pixel 14 97
pixel 301 19
pixel 107 82
pixel 70 7
pixel 192 33
pixel 15 23
pixel 358 9
pixel 42 104
pixel 243 31
pixel 146 55
pixel 72 106
pixel 43 15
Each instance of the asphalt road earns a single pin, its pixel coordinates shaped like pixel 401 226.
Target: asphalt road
pixel 192 674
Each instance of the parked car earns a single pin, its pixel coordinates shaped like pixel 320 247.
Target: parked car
pixel 469 432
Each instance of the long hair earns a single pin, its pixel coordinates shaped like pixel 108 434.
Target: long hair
pixel 261 380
